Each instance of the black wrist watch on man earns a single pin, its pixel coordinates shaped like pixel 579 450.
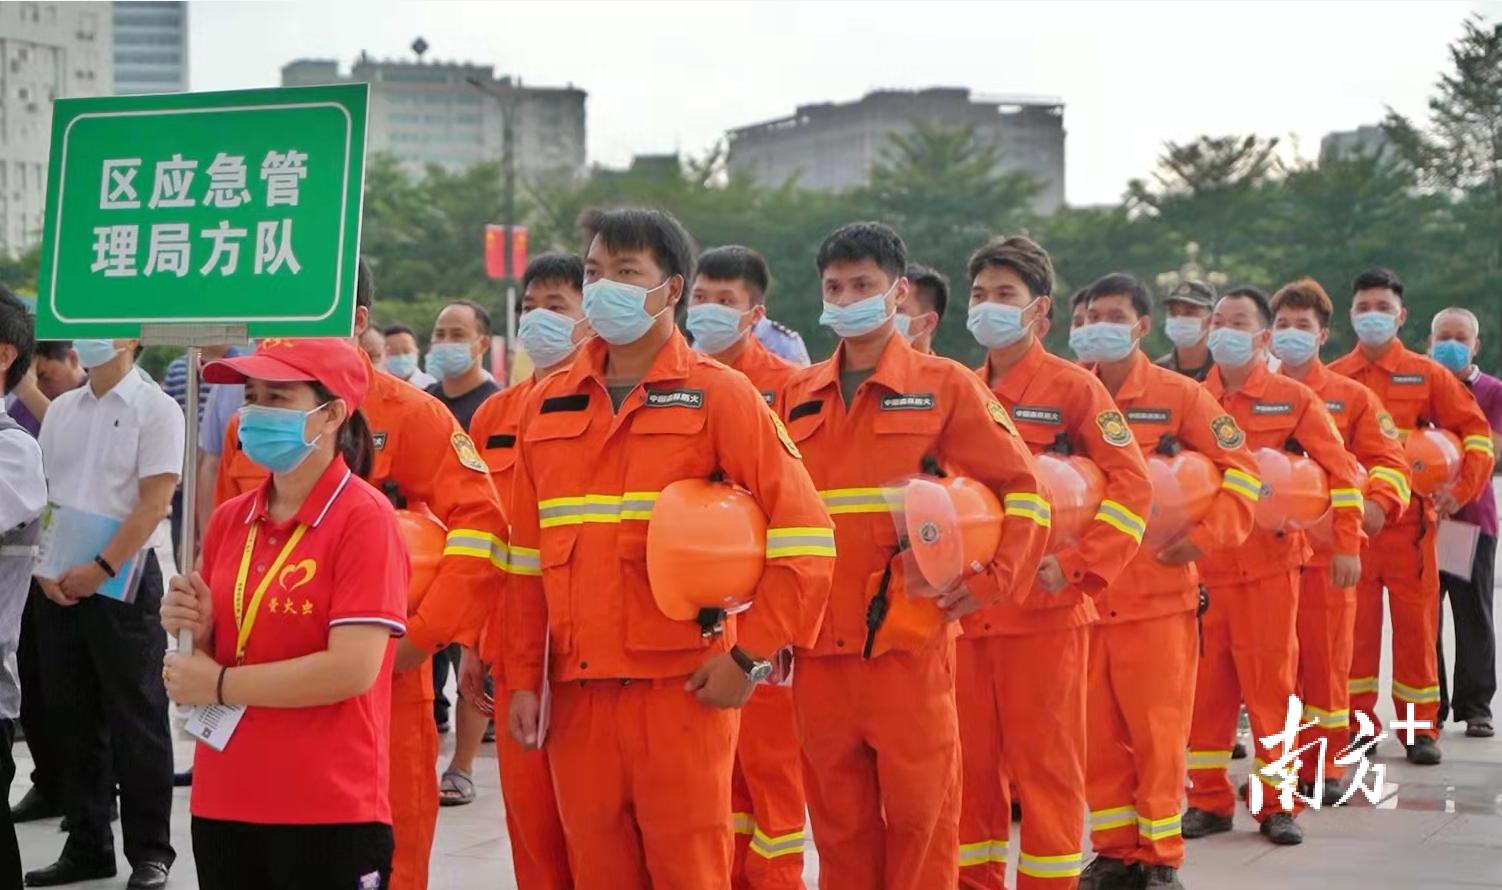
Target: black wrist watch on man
pixel 757 671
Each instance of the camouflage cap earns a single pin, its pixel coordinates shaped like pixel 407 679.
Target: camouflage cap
pixel 1194 292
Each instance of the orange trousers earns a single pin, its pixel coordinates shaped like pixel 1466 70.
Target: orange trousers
pixel 1404 559
pixel 1250 655
pixel 1140 698
pixel 642 774
pixel 414 777
pixel 766 795
pixel 1327 623
pixel 1023 725
pixel 883 767
pixel 539 856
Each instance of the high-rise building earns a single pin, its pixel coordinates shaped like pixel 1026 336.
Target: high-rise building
pixel 1365 140
pixel 151 47
pixel 434 113
pixel 47 51
pixel 833 146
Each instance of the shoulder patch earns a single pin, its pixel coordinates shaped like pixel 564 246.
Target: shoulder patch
pixel 908 401
pixel 1335 406
pixel 675 398
pixel 1035 414
pixel 1149 415
pixel 999 414
pixel 1407 379
pixel 803 409
pixel 1113 428
pixel 1272 407
pixel 782 435
pixel 1227 434
pixel 379 439
pixel 1386 425
pixel 465 448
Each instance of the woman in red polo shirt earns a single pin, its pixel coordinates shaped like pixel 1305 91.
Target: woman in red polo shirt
pixel 302 589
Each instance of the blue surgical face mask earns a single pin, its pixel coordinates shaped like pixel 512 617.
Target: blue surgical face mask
pixel 547 336
pixel 1103 341
pixel 275 438
pixel 618 311
pixel 858 318
pixel 1453 354
pixel 904 324
pixel 996 325
pixel 447 360
pixel 402 364
pixel 1230 347
pixel 1295 347
pixel 93 353
pixel 1375 328
pixel 715 328
pixel 1184 330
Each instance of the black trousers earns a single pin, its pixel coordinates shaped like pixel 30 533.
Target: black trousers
pixel 1475 639
pixel 245 856
pixel 445 660
pixel 10 850
pixel 102 680
pixel 41 736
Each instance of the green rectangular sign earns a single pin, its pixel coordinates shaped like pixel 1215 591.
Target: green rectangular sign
pixel 237 207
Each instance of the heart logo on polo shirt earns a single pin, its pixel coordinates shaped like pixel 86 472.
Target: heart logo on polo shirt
pixel 297 575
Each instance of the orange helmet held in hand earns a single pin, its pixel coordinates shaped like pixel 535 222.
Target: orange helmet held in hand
pixel 1322 532
pixel 1074 487
pixel 706 543
pixel 1434 458
pixel 1308 495
pixel 425 538
pixel 952 526
pixel 1184 487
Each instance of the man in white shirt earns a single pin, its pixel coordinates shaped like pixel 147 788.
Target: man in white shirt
pixel 113 447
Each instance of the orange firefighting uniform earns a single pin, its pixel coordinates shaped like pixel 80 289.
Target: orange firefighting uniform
pixel 1417 392
pixel 422 452
pixel 539 856
pixel 1019 725
pixel 1250 652
pixel 766 790
pixel 640 768
pixel 1327 615
pixel 1144 649
pixel 880 734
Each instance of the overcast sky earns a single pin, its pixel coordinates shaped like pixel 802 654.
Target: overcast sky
pixel 664 76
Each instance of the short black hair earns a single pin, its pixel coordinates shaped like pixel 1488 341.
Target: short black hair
pixel 858 241
pixel 53 350
pixel 16 328
pixel 364 285
pixel 1256 295
pixel 1120 284
pixel 639 228
pixel 1377 278
pixel 734 262
pixel 1022 255
pixel 927 279
pixel 565 267
pixel 393 329
pixel 482 315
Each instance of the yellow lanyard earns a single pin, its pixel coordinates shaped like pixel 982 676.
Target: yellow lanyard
pixel 245 623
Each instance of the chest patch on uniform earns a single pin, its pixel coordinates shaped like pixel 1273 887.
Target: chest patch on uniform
pixel 1385 423
pixel 675 398
pixel 575 402
pixel 1272 407
pixel 464 447
pixel 379 440
pixel 999 414
pixel 1149 415
pixel 769 397
pixel 1113 428
pixel 501 440
pixel 1034 414
pixel 1227 434
pixel 1407 379
pixel 804 409
pixel 782 435
pixel 908 401
pixel 1335 406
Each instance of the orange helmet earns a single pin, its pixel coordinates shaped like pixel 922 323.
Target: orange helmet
pixel 1434 458
pixel 706 543
pixel 912 619
pixel 1308 495
pixel 425 538
pixel 952 525
pixel 1074 485
pixel 1322 532
pixel 1184 487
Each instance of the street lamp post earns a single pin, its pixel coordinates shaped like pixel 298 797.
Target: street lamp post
pixel 507 101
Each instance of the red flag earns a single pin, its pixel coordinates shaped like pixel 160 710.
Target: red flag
pixel 495 251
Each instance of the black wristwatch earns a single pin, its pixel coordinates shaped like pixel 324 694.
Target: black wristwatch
pixel 756 671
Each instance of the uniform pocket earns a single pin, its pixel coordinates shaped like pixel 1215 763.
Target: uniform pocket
pixel 647 629
pixel 555 556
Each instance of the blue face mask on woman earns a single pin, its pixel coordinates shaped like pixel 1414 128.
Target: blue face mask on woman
pixel 715 328
pixel 858 318
pixel 1230 347
pixel 1453 354
pixel 618 311
pixel 547 336
pixel 996 325
pixel 275 438
pixel 93 353
pixel 402 364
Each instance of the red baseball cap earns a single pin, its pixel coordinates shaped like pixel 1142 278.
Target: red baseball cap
pixel 334 363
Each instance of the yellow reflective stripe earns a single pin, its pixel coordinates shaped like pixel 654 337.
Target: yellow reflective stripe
pixel 1116 515
pixel 609 508
pixel 982 852
pixel 470 542
pixel 743 823
pixel 768 847
pixel 1345 498
pixel 1327 719
pixel 1277 774
pixel 523 561
pixel 1029 506
pixel 1480 443
pixel 1394 478
pixel 1243 483
pixel 1359 685
pixel 1209 760
pixel 1417 695
pixel 1068 865
pixel 800 542
pixel 1118 817
pixel 1158 829
pixel 855 500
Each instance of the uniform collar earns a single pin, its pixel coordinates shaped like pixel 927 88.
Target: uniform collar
pixel 1390 360
pixel 1016 378
pixel 1135 384
pixel 123 389
pixel 1255 385
pixel 753 357
pixel 318 502
pixel 670 363
pixel 892 368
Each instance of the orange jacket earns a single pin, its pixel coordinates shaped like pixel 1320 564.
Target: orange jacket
pixel 912 407
pixel 493 429
pixel 1418 391
pixel 1160 404
pixel 1058 405
pixel 1273 410
pixel 584 484
pixel 1371 437
pixel 421 450
pixel 767 371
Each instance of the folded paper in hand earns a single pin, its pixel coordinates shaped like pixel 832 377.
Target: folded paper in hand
pixel 71 538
